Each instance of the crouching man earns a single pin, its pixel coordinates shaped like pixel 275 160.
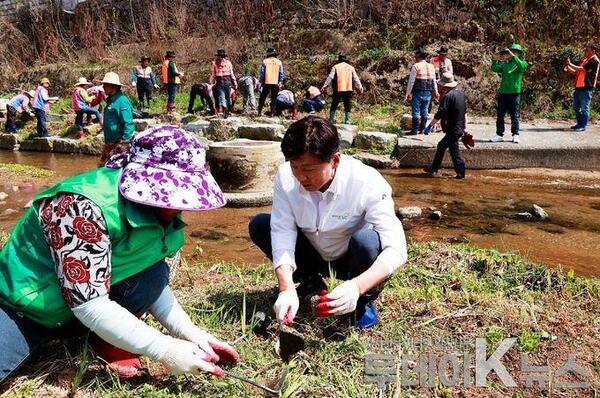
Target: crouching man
pixel 330 212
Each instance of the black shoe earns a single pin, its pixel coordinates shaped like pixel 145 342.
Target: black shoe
pixel 411 133
pixel 460 177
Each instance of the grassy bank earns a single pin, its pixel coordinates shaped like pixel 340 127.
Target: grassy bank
pixel 448 291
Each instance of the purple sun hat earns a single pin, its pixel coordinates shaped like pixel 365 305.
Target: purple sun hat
pixel 167 168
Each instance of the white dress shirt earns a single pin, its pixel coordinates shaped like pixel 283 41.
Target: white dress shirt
pixel 358 197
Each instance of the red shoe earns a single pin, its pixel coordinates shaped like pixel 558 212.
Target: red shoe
pixel 81 135
pixel 124 363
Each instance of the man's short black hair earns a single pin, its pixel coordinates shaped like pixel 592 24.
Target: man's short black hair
pixel 311 134
pixel 593 47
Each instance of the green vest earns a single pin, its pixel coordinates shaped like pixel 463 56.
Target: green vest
pixel 28 280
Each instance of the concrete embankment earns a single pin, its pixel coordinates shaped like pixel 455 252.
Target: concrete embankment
pixel 543 144
pixel 546 145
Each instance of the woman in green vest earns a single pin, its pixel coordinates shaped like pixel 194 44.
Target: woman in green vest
pixel 91 254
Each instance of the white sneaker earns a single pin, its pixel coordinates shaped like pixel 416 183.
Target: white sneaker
pixel 516 139
pixel 497 138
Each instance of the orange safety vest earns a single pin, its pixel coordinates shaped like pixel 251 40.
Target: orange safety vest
pixel 425 71
pixel 580 75
pixel 272 69
pixel 343 75
pixel 165 73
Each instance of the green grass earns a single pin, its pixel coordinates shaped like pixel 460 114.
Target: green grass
pixel 25 170
pixel 456 291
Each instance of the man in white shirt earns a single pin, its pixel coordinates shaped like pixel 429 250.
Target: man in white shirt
pixel 329 212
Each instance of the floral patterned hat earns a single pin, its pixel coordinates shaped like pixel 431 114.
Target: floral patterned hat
pixel 167 168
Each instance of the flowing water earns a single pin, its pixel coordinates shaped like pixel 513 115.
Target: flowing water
pixel 480 210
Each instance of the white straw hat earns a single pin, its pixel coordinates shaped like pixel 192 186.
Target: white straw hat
pixel 112 78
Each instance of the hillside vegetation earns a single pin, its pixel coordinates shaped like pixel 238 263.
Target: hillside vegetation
pixel 380 36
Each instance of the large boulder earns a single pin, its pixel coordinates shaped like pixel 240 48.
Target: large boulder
pixel 92 146
pixel 170 118
pixel 374 160
pixel 66 145
pixel 8 141
pixel 38 144
pixel 189 118
pixel 347 134
pixel 263 131
pixel 93 129
pixel 197 127
pixel 406 122
pixel 268 120
pixel 374 140
pixel 143 124
pixel 220 130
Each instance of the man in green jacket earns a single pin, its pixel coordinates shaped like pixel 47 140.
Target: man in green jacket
pixel 509 64
pixel 118 116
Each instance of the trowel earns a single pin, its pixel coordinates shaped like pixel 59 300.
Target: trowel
pixel 275 390
pixel 290 340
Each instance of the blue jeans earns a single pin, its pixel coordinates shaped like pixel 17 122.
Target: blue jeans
pixel 420 103
pixel 363 249
pixel 85 110
pixel 223 96
pixel 171 93
pixel 510 103
pixel 581 103
pixel 42 130
pixel 20 336
pixel 312 105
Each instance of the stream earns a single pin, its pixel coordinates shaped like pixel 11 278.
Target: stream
pixel 479 210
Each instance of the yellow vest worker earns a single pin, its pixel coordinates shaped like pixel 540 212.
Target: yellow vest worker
pixel 345 80
pixel 271 75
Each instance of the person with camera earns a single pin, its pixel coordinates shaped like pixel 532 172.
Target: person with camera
pixel 586 76
pixel 511 67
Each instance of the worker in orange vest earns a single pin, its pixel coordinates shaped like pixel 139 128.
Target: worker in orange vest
pixel 345 80
pixel 421 87
pixel 586 77
pixel 171 78
pixel 271 76
pixel 223 80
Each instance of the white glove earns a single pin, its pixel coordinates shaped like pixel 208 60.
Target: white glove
pixel 169 313
pixel 286 305
pixel 133 84
pixel 343 298
pixel 186 357
pixel 217 350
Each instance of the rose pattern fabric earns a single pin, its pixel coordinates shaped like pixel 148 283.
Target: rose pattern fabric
pixel 78 239
pixel 87 230
pixel 166 167
pixel 75 271
pixel 55 239
pixel 63 206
